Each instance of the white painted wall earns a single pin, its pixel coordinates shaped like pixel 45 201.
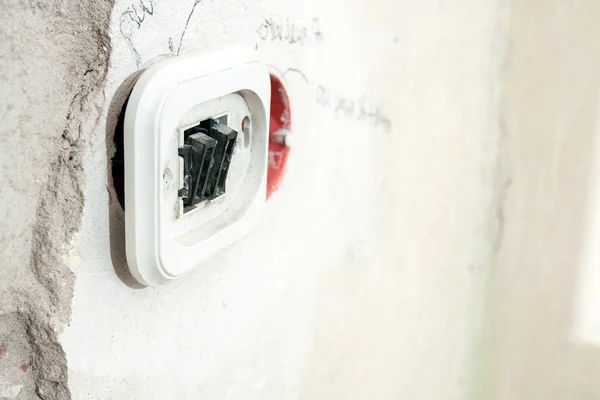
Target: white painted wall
pixel 365 277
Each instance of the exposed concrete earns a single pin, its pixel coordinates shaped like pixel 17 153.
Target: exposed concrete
pixel 54 58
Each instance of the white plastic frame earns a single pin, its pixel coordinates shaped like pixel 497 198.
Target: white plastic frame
pixel 162 96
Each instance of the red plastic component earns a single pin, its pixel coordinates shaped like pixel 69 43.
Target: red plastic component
pixel 281 119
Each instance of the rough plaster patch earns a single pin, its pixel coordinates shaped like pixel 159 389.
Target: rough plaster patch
pixel 16 353
pixel 54 62
pixel 10 392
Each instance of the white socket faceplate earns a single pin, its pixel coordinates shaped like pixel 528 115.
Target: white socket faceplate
pixel 163 242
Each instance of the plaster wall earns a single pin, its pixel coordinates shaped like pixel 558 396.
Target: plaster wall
pixel 437 251
pixel 343 289
pixel 541 324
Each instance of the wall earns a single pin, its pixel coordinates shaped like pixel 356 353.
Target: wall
pixel 54 60
pixel 341 292
pixel 409 255
pixel 541 310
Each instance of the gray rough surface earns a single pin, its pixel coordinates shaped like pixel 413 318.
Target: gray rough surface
pixel 53 62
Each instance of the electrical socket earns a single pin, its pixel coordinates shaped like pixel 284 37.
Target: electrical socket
pixel 195 123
